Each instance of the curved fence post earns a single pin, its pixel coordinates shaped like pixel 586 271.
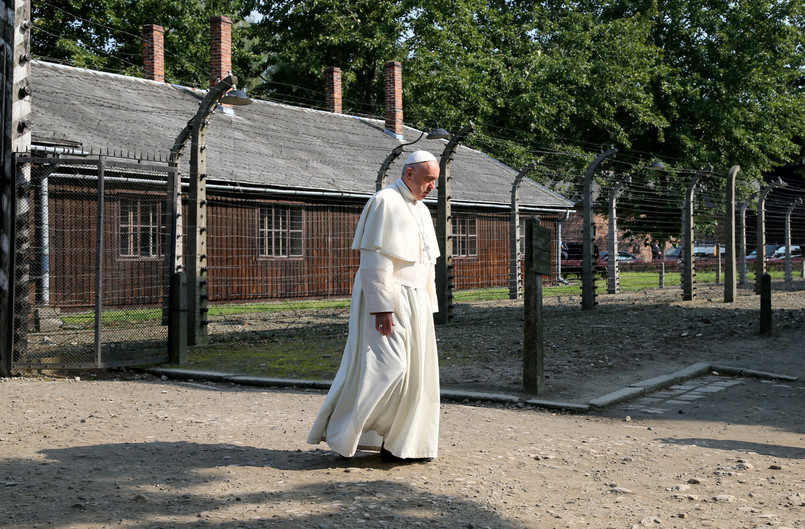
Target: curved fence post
pixel 384 167
pixel 395 153
pixel 688 262
pixel 730 286
pixel 788 267
pixel 742 241
pixel 613 283
pixel 196 263
pixel 515 271
pixel 444 229
pixel 588 235
pixel 760 239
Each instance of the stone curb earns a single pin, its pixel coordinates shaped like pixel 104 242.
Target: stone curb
pixel 630 392
pixel 750 373
pixel 451 395
pixel 638 389
pixel 698 369
pixel 217 376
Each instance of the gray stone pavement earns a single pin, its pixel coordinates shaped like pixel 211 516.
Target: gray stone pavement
pixel 680 396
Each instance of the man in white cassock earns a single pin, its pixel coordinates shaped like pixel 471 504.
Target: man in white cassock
pixel 385 395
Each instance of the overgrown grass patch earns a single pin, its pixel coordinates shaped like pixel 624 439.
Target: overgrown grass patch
pixel 314 357
pixel 480 294
pixel 279 306
pixel 111 317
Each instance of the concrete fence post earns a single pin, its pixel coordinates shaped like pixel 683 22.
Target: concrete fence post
pixel 515 272
pixel 613 283
pixel 15 253
pixel 718 263
pixel 688 260
pixel 760 239
pixel 444 229
pixel 742 242
pixel 788 262
pixel 730 285
pixel 587 248
pixel 99 258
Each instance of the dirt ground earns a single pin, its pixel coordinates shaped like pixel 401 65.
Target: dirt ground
pixel 136 451
pixel 631 336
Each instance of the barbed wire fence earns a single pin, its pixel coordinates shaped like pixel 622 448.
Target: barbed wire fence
pixel 254 290
pixel 105 305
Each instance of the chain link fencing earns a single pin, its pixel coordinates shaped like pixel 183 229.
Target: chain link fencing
pixel 90 284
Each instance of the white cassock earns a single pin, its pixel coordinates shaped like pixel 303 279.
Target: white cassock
pixel 387 387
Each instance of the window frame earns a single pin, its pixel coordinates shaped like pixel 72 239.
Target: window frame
pixel 268 236
pixel 465 241
pixel 137 220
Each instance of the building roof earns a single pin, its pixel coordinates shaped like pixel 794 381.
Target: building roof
pixel 265 144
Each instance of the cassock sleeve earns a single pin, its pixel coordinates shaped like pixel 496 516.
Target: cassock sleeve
pixel 377 271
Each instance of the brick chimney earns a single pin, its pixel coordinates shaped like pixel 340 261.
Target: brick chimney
pixel 394 101
pixel 154 52
pixel 220 48
pixel 332 90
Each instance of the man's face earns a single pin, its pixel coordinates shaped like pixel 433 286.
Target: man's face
pixel 421 178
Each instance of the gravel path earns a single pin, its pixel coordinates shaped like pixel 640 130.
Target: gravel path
pixel 156 454
pixel 138 452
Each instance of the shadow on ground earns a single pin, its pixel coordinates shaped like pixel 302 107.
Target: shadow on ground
pixel 193 485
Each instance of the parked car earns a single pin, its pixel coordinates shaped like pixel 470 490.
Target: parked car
pixel 779 253
pixel 673 255
pixel 707 251
pixel 572 263
pixel 623 257
pixel 770 249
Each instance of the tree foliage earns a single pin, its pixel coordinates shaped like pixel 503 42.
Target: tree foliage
pixel 107 34
pixel 690 81
pixel 731 89
pixel 302 38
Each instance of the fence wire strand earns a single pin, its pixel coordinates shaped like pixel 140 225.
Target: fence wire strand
pixel 274 261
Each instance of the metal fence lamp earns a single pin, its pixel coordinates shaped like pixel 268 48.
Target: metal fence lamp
pixel 235 97
pixel 438 134
pixel 196 267
pixel 435 134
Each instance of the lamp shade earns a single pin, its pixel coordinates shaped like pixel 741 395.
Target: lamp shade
pixel 438 134
pixel 236 97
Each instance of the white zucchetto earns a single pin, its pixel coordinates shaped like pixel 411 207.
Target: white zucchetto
pixel 419 157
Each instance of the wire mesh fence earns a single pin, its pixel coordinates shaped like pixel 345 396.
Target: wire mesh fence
pixel 91 249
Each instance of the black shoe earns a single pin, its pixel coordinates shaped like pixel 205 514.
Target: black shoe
pixel 388 457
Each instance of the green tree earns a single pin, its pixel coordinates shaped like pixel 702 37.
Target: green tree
pixel 690 81
pixel 731 88
pixel 731 92
pixel 106 35
pixel 300 38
